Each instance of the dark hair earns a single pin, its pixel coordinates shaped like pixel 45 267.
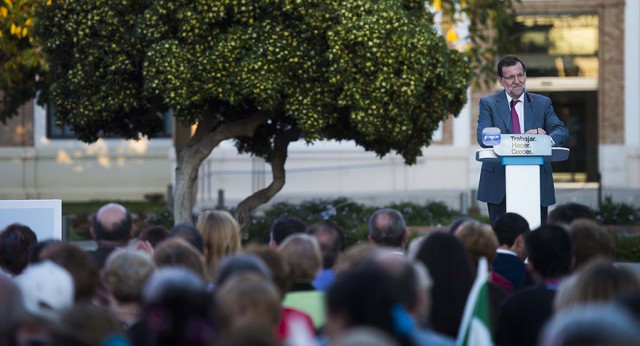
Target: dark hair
pixel 457 222
pixel 353 296
pixel 565 214
pixel 390 232
pixel 190 233
pixel 589 241
pixel 330 250
pixel 117 232
pixel 154 234
pixel 284 226
pixel 450 267
pixel 401 270
pixel 177 309
pixel 277 265
pixel 508 227
pixel 240 263
pixel 509 60
pixel 35 251
pixel 550 251
pixel 15 241
pixel 80 265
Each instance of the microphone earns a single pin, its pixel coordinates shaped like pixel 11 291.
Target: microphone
pixel 491 136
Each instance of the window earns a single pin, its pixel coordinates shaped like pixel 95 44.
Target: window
pixel 65 132
pixel 558 46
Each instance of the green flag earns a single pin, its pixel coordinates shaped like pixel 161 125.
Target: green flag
pixel 475 328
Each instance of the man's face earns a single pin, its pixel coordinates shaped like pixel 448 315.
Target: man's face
pixel 513 80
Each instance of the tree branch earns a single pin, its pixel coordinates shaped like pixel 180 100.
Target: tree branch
pixel 278 173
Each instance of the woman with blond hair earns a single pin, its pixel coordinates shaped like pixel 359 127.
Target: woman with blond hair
pixel 221 234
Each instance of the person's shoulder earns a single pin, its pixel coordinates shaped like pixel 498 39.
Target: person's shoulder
pixel 492 97
pixel 537 97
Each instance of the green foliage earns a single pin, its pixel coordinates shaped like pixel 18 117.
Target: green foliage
pixel 627 247
pixel 20 59
pixel 432 213
pixel 373 72
pixel 489 26
pixel 144 213
pixel 615 213
pixel 160 217
pixel 351 216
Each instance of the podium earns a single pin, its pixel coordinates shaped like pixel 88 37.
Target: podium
pixel 522 155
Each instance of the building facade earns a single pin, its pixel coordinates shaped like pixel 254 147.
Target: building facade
pixel 583 54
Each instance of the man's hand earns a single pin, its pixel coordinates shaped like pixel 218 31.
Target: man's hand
pixel 537 131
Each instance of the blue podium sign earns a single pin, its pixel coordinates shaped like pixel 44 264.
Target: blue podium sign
pixel 524 145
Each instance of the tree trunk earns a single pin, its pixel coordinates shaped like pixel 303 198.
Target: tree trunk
pixel 278 158
pixel 198 148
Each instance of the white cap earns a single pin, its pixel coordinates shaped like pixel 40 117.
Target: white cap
pixel 47 289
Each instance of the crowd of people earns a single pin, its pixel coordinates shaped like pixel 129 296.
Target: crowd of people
pixel 196 284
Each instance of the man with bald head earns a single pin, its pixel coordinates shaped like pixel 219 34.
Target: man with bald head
pixel 111 228
pixel 387 228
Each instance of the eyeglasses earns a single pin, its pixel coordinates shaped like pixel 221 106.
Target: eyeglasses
pixel 520 76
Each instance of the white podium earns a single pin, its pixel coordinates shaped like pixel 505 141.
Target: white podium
pixel 522 155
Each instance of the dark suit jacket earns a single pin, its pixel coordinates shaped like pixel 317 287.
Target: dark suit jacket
pixel 510 267
pixel 523 314
pixel 538 113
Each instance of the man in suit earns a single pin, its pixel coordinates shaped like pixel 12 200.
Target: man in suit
pixel 536 116
pixel 523 314
pixel 511 230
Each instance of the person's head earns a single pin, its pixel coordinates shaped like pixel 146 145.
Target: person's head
pixel 512 75
pixel 221 235
pixel 302 253
pixel 240 263
pixel 125 273
pixel 248 300
pixel 456 223
pixel 154 235
pixel 353 302
pixel 36 250
pixel 79 264
pixel 387 228
pixel 511 229
pixel 452 272
pixel 565 214
pixel 177 308
pixel 190 233
pixel 401 271
pixel 354 256
pixel 178 252
pixel 550 251
pixel 591 324
pixel 600 281
pixel 411 277
pixel 589 241
pixel 331 239
pixel 87 324
pixel 112 223
pixel 11 307
pixel 479 240
pixel 283 227
pixel 277 265
pixel 15 241
pixel 47 290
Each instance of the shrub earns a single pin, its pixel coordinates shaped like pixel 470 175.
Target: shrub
pixel 616 213
pixel 352 216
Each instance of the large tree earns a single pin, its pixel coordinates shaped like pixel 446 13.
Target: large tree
pixel 264 73
pixel 20 61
